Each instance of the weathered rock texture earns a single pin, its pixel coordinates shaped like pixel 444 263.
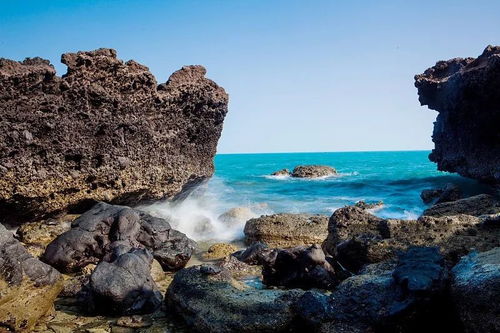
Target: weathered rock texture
pixel 313 171
pixel 466 93
pixel 28 287
pixel 286 230
pixel 106 130
pixel 107 231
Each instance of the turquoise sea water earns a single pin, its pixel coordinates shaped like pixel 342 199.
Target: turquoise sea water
pixel 243 180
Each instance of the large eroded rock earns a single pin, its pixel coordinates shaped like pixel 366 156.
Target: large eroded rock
pixel 287 230
pixel 107 231
pixel 28 287
pixel 466 93
pixel 106 130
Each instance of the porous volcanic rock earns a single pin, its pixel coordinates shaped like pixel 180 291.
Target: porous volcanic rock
pixel 106 130
pixel 313 171
pixel 357 238
pixel 107 231
pixel 475 290
pixel 466 93
pixel 287 230
pixel 482 204
pixel 28 287
pixel 124 286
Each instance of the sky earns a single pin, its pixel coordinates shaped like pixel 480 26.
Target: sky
pixel 301 75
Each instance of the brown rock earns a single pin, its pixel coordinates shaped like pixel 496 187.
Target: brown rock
pixel 477 205
pixel 219 250
pixel 104 131
pixel 287 230
pixel 313 171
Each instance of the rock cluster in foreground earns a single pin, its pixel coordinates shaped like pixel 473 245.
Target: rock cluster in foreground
pixel 466 93
pixel 106 130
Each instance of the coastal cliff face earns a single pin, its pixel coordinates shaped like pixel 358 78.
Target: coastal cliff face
pixel 466 93
pixel 103 131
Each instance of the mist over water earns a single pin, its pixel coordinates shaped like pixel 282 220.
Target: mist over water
pixel 243 180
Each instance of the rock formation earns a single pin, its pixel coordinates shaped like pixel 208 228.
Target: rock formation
pixel 466 93
pixel 313 171
pixel 107 231
pixel 285 230
pixel 106 130
pixel 28 287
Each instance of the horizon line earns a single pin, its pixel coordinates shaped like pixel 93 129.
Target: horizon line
pixel 326 152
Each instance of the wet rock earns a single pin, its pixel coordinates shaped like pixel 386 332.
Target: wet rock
pixel 369 205
pixel 282 172
pixel 89 135
pixel 212 301
pixel 466 93
pixel 43 232
pixel 237 215
pixel 124 286
pixel 300 267
pixel 357 238
pixel 28 287
pixel 313 171
pixel 450 192
pixel 409 299
pixel 219 250
pixel 475 290
pixel 256 254
pixel 477 205
pixel 106 231
pixel 286 230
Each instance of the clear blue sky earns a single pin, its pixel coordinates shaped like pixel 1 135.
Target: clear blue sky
pixel 301 75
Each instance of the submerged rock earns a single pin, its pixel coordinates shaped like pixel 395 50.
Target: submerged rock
pixel 476 290
pixel 482 204
pixel 282 172
pixel 466 93
pixel 450 192
pixel 299 267
pixel 124 286
pixel 106 130
pixel 313 171
pixel 357 238
pixel 28 287
pixel 237 215
pixel 286 230
pixel 106 231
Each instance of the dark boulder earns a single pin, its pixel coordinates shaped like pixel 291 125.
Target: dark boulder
pixel 466 93
pixel 105 131
pixel 299 267
pixel 28 287
pixel 475 290
pixel 107 231
pixel 256 254
pixel 123 286
pixel 449 192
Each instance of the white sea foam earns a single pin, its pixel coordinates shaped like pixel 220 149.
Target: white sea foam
pixel 328 177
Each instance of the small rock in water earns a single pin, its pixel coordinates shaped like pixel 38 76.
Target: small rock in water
pixel 313 171
pixel 282 172
pixel 450 192
pixel 369 205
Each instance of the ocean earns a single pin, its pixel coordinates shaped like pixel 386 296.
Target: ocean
pixel 243 180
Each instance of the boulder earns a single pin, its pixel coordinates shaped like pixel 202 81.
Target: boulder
pixel 357 238
pixel 124 286
pixel 28 287
pixel 219 250
pixel 237 215
pixel 104 131
pixel 41 233
pixel 475 290
pixel 209 299
pixel 449 192
pixel 411 298
pixel 281 173
pixel 106 231
pixel 482 204
pixel 256 254
pixel 286 230
pixel 466 93
pixel 299 267
pixel 313 171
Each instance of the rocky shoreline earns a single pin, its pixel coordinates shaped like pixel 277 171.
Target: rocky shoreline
pixel 86 263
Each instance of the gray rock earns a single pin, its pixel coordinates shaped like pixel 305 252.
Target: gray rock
pixel 124 286
pixel 313 171
pixel 106 231
pixel 105 131
pixel 282 172
pixel 476 290
pixel 449 192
